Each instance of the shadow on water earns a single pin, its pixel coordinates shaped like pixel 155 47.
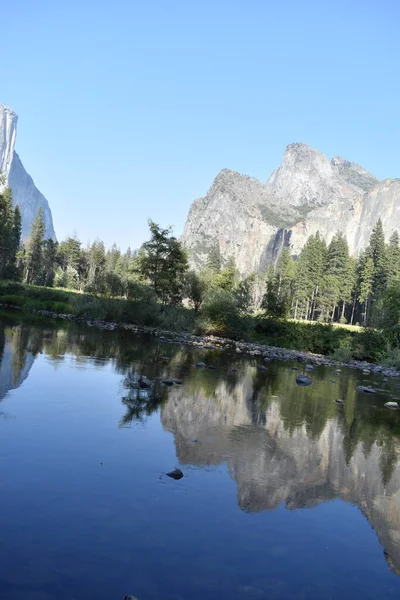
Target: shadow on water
pixel 283 445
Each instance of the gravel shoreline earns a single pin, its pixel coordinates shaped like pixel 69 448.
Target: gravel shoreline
pixel 265 352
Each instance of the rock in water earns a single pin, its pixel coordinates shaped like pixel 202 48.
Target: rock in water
pixel 200 365
pixel 144 383
pixel 261 368
pixel 365 389
pixel 168 381
pixel 392 405
pixel 175 474
pixel 25 193
pixel 309 367
pixel 303 380
pixel 130 598
pixel 339 401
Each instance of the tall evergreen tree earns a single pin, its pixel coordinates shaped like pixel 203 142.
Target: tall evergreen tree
pixel 34 250
pixel 377 252
pixel 393 257
pixel 278 298
pixel 310 268
pixel 366 285
pixel 49 262
pixel 337 288
pixel 6 232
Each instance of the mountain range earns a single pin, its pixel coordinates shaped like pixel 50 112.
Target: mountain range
pixel 251 221
pixel 25 193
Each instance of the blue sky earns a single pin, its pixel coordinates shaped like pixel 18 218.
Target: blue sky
pixel 129 110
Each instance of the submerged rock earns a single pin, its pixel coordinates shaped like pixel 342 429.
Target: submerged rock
pixel 261 368
pixel 303 380
pixel 309 367
pixel 392 405
pixel 339 401
pixel 144 383
pixel 168 381
pixel 200 365
pixel 175 474
pixel 366 389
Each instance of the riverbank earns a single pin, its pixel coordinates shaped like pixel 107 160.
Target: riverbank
pixel 263 352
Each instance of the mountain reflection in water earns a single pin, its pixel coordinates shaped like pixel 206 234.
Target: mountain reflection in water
pixel 282 444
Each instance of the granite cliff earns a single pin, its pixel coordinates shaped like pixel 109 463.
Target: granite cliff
pixel 25 193
pixel 251 221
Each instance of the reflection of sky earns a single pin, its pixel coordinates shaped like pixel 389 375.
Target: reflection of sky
pixel 86 510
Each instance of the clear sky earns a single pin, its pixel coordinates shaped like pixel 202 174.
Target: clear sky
pixel 128 110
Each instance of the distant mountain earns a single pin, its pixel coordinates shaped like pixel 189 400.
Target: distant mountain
pixel 251 221
pixel 25 193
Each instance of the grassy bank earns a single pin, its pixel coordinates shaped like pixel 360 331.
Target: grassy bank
pixel 340 342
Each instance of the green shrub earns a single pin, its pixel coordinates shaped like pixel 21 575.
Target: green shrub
pixel 392 357
pixel 12 300
pixel 343 353
pixel 219 315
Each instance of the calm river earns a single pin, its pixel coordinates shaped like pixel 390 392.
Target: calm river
pixel 285 494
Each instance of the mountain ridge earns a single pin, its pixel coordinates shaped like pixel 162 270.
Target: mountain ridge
pixel 247 219
pixel 25 192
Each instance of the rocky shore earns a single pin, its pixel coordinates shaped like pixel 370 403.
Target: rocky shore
pixel 263 351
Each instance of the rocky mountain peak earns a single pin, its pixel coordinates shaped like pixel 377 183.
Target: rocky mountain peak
pixel 251 221
pixel 354 174
pixel 25 193
pixel 306 179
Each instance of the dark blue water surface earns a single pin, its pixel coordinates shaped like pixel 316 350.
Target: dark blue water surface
pixel 285 495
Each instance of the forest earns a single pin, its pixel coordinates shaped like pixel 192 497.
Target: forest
pixel 154 286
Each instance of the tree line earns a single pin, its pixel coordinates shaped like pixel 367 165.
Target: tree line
pixel 324 283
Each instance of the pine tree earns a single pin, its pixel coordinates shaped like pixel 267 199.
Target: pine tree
pixel 96 259
pixel 12 270
pixel 393 256
pixel 337 269
pixel 377 252
pixel 366 283
pixel 278 298
pixel 6 232
pixel 310 268
pixel 34 250
pixel 49 262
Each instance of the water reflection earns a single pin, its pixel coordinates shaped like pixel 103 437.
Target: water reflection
pixel 282 444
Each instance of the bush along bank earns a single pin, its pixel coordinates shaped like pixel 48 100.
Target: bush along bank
pixel 268 339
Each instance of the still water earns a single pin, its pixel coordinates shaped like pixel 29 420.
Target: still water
pixel 285 495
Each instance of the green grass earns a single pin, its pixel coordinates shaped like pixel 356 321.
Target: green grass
pixel 218 317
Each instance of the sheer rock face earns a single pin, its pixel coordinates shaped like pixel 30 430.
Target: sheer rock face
pixel 25 193
pixel 251 221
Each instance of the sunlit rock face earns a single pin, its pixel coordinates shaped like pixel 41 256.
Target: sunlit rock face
pixel 297 460
pixel 25 193
pixel 251 222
